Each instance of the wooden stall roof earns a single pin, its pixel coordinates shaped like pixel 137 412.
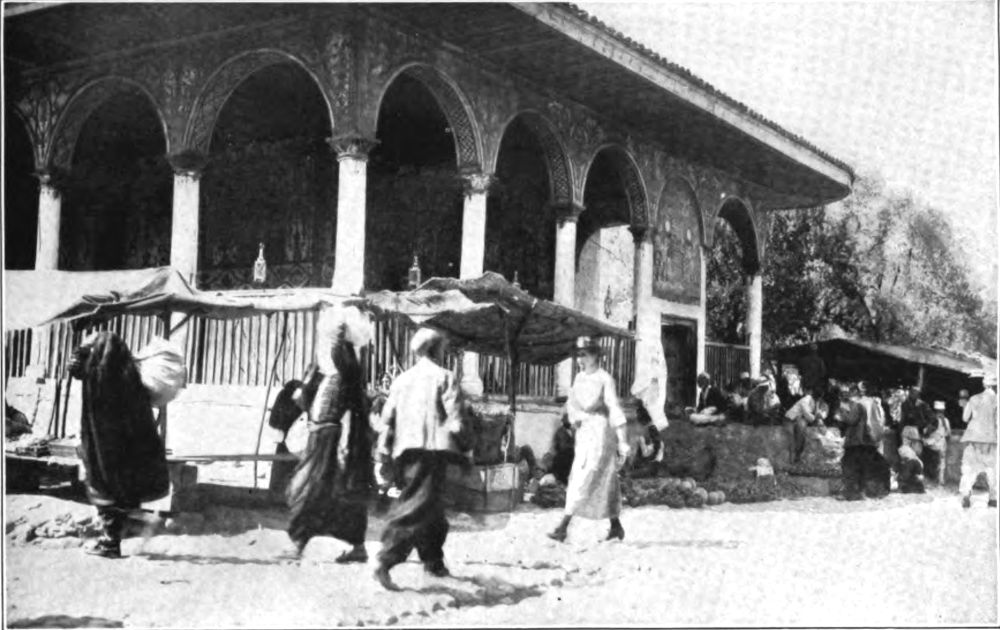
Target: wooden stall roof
pixel 843 355
pixel 483 314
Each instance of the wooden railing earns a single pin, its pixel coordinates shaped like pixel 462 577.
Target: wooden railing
pixel 245 351
pixel 724 362
pixel 49 348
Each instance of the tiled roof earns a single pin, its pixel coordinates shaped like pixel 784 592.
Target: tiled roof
pixel 702 84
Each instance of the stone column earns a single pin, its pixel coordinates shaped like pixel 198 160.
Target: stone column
pixel 349 266
pixel 477 186
pixel 564 285
pixel 185 220
pixel 702 312
pixel 755 313
pixel 642 293
pixel 49 220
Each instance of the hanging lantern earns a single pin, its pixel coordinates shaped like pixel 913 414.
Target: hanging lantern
pixel 413 277
pixel 260 267
pixel 607 304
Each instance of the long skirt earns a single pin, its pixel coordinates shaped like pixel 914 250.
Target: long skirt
pixel 593 490
pixel 418 518
pixel 318 507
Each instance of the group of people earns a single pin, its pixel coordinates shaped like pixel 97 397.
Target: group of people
pixel 420 431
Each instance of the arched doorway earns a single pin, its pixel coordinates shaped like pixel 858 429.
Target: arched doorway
pixel 520 219
pixel 415 198
pixel 604 245
pixel 117 203
pixel 20 190
pixel 271 179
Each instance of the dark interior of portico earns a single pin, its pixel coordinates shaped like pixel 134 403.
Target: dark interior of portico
pixel 414 192
pixel 520 222
pixel 116 204
pixel 605 201
pixel 20 193
pixel 271 178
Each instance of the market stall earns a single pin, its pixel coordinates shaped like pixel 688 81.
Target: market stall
pixel 486 315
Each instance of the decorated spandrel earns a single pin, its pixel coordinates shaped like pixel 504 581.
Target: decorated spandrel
pixel 676 251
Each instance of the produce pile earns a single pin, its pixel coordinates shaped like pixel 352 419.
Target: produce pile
pixel 673 492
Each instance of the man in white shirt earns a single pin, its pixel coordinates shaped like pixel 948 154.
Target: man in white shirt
pixel 980 438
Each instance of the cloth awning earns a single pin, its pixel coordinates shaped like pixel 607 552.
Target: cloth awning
pixel 843 356
pixel 482 314
pixel 485 314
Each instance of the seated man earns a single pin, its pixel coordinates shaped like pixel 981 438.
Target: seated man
pixel 712 403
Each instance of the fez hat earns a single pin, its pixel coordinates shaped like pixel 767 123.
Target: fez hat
pixel 938 405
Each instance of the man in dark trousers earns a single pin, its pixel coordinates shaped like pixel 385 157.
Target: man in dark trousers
pixel 423 433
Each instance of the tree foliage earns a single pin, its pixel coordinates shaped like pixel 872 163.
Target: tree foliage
pixel 879 266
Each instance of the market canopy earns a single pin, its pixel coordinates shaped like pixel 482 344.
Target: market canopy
pixel 482 314
pixel 944 371
pixel 37 298
pixel 486 314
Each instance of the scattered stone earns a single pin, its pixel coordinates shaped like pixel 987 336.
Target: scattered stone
pixel 556 582
pixel 437 607
pixel 392 620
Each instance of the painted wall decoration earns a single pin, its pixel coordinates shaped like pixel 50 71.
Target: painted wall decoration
pixel 676 251
pixel 282 194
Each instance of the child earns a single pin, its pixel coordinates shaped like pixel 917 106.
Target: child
pixel 935 441
pixel 909 471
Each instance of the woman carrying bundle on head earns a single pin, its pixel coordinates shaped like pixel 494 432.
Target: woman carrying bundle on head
pixel 328 493
pixel 601 446
pixel 122 453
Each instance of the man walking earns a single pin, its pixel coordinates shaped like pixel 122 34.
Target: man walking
pixel 980 438
pixel 422 425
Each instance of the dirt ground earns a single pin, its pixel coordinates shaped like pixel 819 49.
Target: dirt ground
pixel 902 561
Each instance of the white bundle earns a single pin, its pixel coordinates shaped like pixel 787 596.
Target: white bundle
pixel 162 370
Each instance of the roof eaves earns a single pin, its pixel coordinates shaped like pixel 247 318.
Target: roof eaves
pixel 690 77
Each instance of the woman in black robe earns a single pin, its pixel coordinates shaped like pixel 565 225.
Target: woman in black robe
pixel 329 491
pixel 122 452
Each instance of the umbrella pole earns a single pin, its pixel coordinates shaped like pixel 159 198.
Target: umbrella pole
pixel 267 396
pixel 161 416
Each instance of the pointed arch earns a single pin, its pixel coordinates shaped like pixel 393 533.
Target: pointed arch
pixel 85 102
pixel 454 104
pixel 560 176
pixel 635 187
pixel 221 84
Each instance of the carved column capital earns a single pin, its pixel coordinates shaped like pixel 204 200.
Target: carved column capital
pixel 641 234
pixel 190 163
pixel 53 177
pixel 352 146
pixel 476 183
pixel 567 211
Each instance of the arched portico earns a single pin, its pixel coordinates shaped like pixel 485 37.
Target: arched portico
pixel 105 194
pixel 534 184
pixel 734 225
